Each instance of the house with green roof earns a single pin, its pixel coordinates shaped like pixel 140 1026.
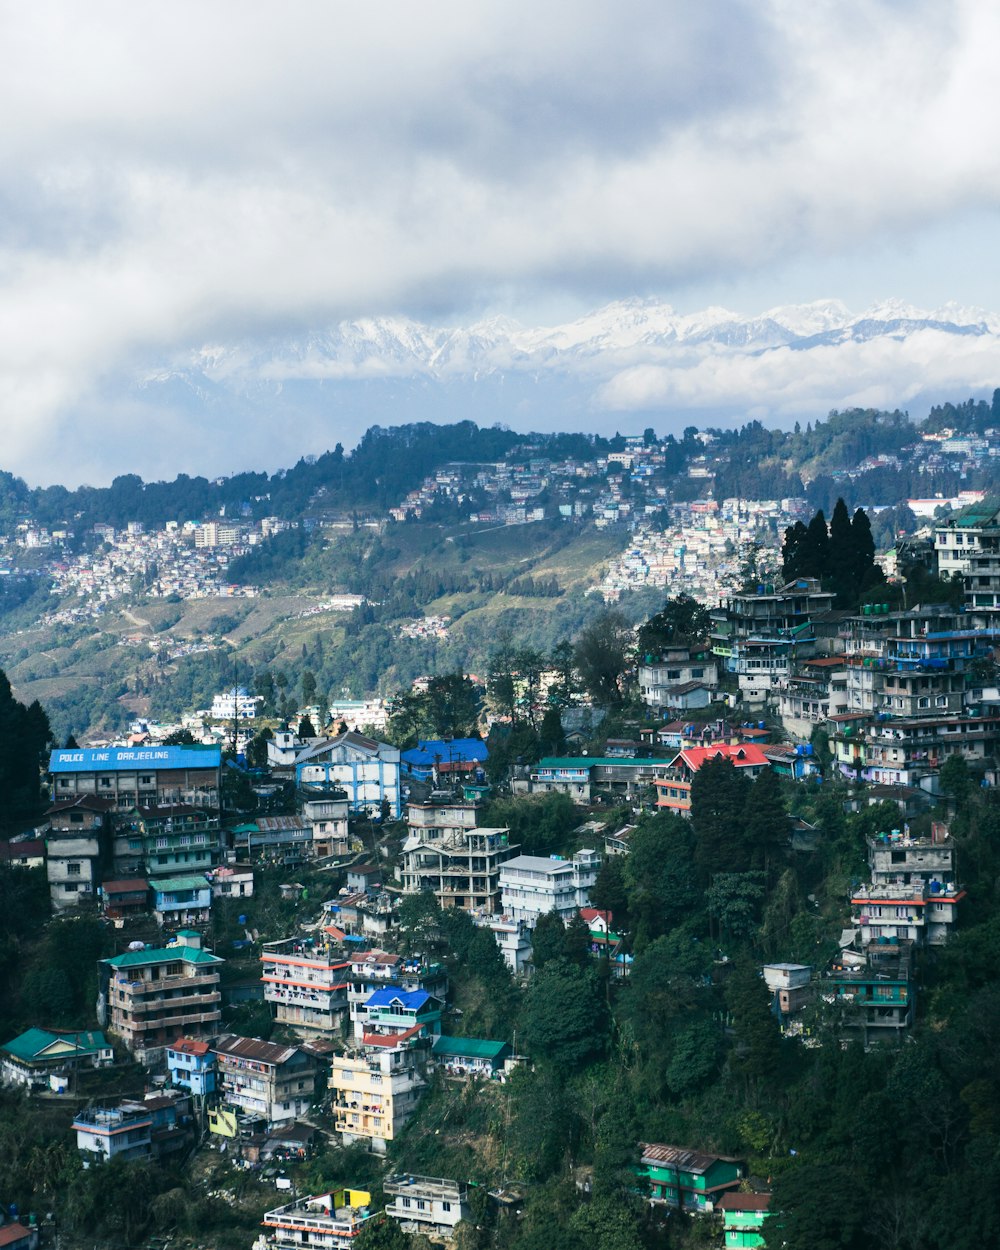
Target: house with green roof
pixel 156 994
pixel 470 1056
pixel 183 900
pixel 33 1058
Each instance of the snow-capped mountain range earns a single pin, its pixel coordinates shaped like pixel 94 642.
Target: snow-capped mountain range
pixel 623 334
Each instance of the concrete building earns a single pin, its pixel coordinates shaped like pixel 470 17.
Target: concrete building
pixel 265 1080
pixel 191 1064
pixel 367 770
pixel 321 1222
pixel 182 900
pixel 374 1091
pixel 238 703
pixel 79 848
pixel 137 776
pixel 533 885
pixel 306 982
pixel 667 681
pixel 327 818
pixel 155 995
pixel 913 893
pixel 445 854
pixel 374 970
pixel 121 1132
pixel 422 1204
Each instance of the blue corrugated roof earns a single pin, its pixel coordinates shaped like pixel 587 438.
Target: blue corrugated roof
pixel 131 759
pixel 410 1000
pixel 432 751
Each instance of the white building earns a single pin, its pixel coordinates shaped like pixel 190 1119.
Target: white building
pixel 532 885
pixel 428 1205
pixel 239 703
pixel 367 770
pixel 323 1222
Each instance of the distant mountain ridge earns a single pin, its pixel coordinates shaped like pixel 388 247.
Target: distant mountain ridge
pixel 621 334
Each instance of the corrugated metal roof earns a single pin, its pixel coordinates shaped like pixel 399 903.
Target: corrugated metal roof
pixel 134 759
pixel 254 1048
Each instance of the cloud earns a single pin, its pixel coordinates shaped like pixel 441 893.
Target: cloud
pixel 181 174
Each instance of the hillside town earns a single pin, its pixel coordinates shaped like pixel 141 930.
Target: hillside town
pixel 193 856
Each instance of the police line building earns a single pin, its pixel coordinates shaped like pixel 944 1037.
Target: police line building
pixel 140 776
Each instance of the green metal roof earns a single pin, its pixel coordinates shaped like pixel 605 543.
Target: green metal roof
pixel 193 881
pixel 470 1047
pixel 163 955
pixel 976 514
pixel 29 1045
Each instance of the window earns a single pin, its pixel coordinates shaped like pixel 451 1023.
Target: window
pixel 421 1205
pixel 76 818
pixel 406 1202
pixel 146 780
pixel 445 1206
pixel 73 869
pixel 70 887
pixel 106 783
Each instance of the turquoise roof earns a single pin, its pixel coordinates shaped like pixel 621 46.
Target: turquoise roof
pixel 194 881
pixel 163 955
pixel 470 1047
pixel 29 1045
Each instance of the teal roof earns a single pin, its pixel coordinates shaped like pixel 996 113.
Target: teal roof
pixel 163 955
pixel 592 761
pixel 194 881
pixel 31 1044
pixel 470 1047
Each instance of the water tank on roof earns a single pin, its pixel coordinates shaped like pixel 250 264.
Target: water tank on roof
pixel 935 887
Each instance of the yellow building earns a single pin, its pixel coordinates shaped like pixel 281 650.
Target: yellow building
pixel 375 1091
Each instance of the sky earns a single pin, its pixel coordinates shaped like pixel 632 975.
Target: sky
pixel 180 175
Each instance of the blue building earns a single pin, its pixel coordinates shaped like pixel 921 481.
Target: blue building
pixel 368 771
pixel 139 776
pixel 191 1063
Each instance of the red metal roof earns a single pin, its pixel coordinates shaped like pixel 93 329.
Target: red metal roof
pixel 743 1202
pixel 743 755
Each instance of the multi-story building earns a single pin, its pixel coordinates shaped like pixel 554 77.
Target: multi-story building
pixel 167 841
pixel 913 893
pixel 322 1222
pixel 668 681
pixel 378 970
pixel 688 1180
pixel 121 1132
pixel 375 1090
pixel 673 789
pixel 191 1064
pixel 758 637
pixel 265 1080
pixel 533 885
pixel 79 848
pixel 306 981
pixel 367 770
pixel 139 776
pixel 155 995
pixel 968 545
pixel 393 1013
pixel 239 704
pixel 429 1205
pixel 743 1217
pixel 182 900
pixel 873 991
pixel 326 815
pixel 448 856
pixel 278 839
